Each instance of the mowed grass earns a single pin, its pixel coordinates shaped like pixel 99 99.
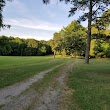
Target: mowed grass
pixel 91 85
pixel 15 69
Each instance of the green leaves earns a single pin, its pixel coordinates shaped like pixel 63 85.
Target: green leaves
pixel 103 21
pixel 70 40
pixel 2 25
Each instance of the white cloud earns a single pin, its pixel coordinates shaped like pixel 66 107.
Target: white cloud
pixel 33 24
pixel 31 28
pixel 15 32
pixel 17 14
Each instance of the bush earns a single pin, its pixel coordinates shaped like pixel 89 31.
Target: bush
pixel 108 53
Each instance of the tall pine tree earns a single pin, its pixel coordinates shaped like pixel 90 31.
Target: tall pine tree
pixel 92 10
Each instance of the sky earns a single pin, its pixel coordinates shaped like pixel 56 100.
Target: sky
pixel 33 19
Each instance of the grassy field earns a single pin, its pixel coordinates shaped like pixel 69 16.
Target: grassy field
pixel 91 85
pixel 15 69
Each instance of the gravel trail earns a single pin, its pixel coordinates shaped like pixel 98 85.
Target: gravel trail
pixel 7 94
pixel 15 97
pixel 50 98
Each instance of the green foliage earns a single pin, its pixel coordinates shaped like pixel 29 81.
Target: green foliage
pixel 56 42
pixel 63 52
pixel 32 43
pixel 42 50
pixel 70 40
pixel 92 53
pixel 108 52
pixel 93 10
pixel 98 49
pixel 2 4
pixel 104 21
pixel 100 42
pixel 5 48
pixel 74 45
pixel 20 47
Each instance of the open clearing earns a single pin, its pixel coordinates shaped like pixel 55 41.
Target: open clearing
pixel 23 94
pixel 44 83
pixel 16 69
pixel 91 84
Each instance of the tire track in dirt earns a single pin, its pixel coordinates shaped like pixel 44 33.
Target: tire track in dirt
pixel 11 92
pixel 50 98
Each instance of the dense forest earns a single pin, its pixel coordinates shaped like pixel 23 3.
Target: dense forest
pixel 71 40
pixel 23 47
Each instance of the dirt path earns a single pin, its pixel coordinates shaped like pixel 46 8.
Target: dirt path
pixel 12 99
pixel 51 97
pixel 7 93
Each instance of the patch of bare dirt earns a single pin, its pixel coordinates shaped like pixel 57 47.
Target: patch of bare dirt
pixel 51 98
pixel 10 95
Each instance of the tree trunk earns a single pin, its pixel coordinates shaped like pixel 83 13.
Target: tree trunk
pixel 89 34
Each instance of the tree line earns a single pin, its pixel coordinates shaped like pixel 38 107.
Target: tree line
pixel 91 12
pixel 23 47
pixel 92 9
pixel 70 40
